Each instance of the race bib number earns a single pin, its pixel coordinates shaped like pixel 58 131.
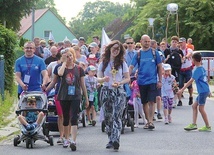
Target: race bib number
pixel 27 79
pixel 91 97
pixel 71 90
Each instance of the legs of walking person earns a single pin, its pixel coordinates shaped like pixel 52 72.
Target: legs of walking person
pixel 158 101
pixel 194 112
pixel 136 114
pixel 60 120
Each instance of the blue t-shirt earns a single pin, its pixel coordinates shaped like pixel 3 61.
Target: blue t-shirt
pixel 129 55
pixel 199 75
pixel 30 69
pixel 31 117
pixel 58 79
pixel 147 71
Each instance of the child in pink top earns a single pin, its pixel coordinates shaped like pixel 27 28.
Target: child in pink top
pixel 136 102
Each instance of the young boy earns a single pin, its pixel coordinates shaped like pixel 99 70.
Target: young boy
pixel 91 86
pixel 199 75
pixel 31 119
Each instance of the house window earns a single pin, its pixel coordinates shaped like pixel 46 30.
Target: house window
pixel 46 34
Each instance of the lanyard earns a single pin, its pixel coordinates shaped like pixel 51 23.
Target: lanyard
pixel 29 64
pixel 71 74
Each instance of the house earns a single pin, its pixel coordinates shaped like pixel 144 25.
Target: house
pixel 46 22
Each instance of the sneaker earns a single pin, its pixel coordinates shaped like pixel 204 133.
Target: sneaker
pixel 34 125
pixel 166 121
pixel 28 127
pixel 109 145
pixel 205 129
pixel 179 103
pixel 159 116
pixel 89 122
pixel 116 145
pixel 73 146
pixel 66 143
pixel 190 100
pixel 170 118
pixel 60 141
pixel 146 126
pixel 151 126
pixel 191 127
pixel 93 123
pixel 135 126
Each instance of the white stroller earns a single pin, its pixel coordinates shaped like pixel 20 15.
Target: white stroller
pixel 38 133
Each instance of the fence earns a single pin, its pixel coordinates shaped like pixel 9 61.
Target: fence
pixel 2 76
pixel 208 64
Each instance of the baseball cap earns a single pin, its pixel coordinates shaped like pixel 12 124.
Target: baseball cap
pixel 182 39
pixel 31 99
pixel 91 68
pixel 82 38
pixel 92 56
pixel 167 67
pixel 74 42
pixel 93 44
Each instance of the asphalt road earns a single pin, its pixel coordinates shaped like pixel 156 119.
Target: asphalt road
pixel 164 140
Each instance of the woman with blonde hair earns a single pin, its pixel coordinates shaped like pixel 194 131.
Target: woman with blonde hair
pixel 72 81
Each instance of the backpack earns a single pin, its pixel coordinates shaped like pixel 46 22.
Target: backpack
pixel 175 60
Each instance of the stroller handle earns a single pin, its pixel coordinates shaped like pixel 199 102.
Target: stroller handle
pixel 18 112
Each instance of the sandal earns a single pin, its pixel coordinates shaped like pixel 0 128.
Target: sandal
pixel 146 126
pixel 151 126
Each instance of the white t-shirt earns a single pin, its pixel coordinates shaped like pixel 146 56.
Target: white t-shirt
pixel 107 72
pixel 51 66
pixel 166 89
pixel 83 59
pixel 188 62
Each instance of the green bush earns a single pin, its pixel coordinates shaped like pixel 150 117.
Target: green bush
pixel 8 42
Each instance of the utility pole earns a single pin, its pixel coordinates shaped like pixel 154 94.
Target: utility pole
pixel 33 19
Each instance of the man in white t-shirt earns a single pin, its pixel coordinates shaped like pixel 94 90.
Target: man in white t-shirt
pixel 186 70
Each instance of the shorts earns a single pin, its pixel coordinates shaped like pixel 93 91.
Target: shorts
pixel 148 93
pixel 58 106
pixel 184 77
pixel 159 92
pixel 201 98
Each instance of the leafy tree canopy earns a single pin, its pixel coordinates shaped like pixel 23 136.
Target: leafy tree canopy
pixel 95 16
pixel 195 21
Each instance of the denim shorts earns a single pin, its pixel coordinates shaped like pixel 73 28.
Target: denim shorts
pixel 201 98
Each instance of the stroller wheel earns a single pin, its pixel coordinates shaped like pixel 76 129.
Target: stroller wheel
pixel 50 138
pixel 132 125
pixel 28 141
pixel 83 119
pixel 31 143
pixel 16 141
pixel 103 126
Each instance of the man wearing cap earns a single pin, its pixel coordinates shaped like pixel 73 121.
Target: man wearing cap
pixel 81 44
pixel 186 70
pixel 28 70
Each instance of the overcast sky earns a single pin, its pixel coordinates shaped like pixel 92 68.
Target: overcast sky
pixel 70 8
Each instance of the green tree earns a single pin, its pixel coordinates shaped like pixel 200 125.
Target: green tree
pixel 12 11
pixel 195 21
pixel 95 16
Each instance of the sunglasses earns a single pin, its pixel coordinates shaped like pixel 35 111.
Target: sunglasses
pixel 137 47
pixel 129 43
pixel 29 48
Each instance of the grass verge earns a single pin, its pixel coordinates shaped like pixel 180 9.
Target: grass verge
pixel 6 105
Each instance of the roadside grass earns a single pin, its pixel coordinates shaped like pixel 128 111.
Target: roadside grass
pixel 6 105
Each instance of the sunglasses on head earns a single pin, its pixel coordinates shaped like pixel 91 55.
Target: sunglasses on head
pixel 129 43
pixel 137 47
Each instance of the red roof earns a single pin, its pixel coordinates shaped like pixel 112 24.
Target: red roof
pixel 26 22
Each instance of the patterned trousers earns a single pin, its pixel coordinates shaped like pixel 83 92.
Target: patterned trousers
pixel 113 102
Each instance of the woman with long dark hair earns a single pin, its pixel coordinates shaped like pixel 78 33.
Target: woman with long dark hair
pixel 113 96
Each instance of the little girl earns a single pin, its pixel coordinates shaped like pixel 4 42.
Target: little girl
pixel 168 81
pixel 136 102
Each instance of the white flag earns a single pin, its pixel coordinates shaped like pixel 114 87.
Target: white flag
pixel 51 37
pixel 105 40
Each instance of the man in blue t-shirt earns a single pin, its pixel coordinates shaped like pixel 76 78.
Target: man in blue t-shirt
pixel 30 70
pixel 149 66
